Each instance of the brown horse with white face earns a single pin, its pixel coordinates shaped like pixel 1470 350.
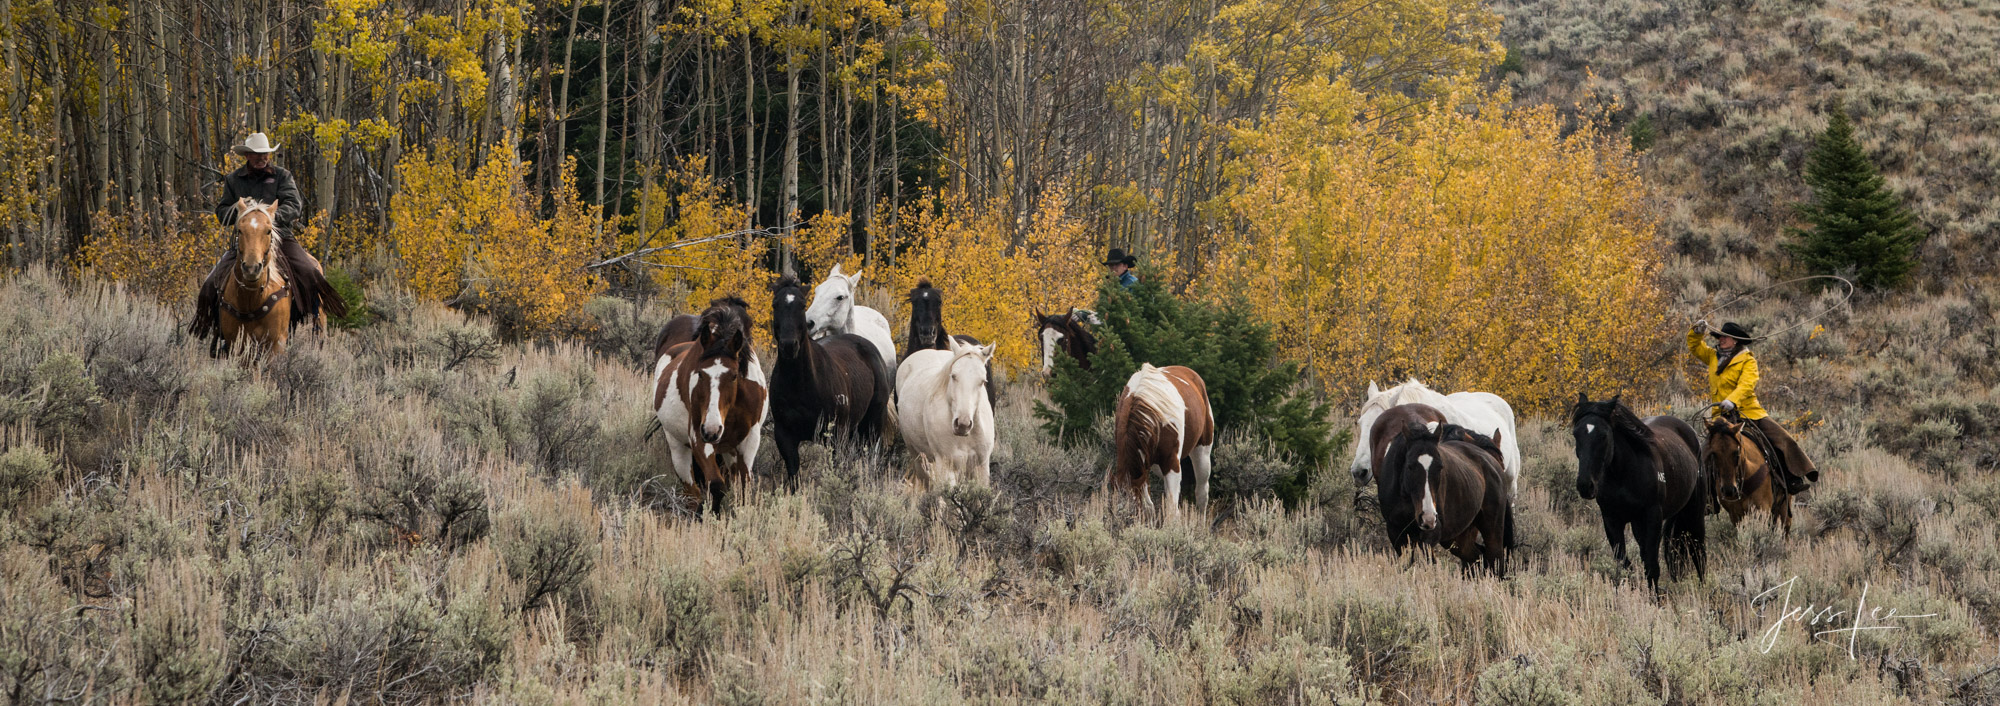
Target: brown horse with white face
pixel 256 299
pixel 1742 475
pixel 1163 415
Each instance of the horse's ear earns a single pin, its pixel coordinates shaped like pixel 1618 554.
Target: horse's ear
pixel 835 272
pixel 986 351
pixel 1373 389
pixel 1581 398
pixel 1616 397
pixel 855 279
pixel 1496 437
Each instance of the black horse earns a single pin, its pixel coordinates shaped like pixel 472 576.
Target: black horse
pixel 927 328
pixel 836 381
pixel 1645 474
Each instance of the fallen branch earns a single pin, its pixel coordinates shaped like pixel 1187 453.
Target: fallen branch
pixel 642 252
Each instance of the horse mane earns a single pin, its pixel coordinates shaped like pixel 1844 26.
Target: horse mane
pixel 785 281
pixel 1621 417
pixel 1454 432
pixel 729 300
pixel 1393 396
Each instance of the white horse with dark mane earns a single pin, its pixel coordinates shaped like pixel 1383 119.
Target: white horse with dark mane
pixel 834 311
pixel 945 413
pixel 1483 412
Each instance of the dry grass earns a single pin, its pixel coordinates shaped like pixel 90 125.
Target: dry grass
pixel 1737 88
pixel 371 522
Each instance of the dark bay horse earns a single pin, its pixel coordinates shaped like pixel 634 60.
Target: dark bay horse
pixel 927 328
pixel 1741 475
pixel 1399 515
pixel 1065 332
pixel 838 381
pixel 723 316
pixel 1457 481
pixel 1645 474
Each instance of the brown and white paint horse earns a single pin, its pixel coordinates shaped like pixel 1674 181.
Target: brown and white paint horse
pixel 256 299
pixel 1163 415
pixel 711 399
pixel 1742 475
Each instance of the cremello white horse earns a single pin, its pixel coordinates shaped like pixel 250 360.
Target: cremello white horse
pixel 1483 412
pixel 946 417
pixel 833 311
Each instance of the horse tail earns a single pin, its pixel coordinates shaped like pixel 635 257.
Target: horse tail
pixel 1507 535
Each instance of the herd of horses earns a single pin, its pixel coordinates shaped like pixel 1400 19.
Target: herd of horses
pixel 1446 467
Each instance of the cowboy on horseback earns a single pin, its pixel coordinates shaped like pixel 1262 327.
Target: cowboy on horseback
pixel 1732 385
pixel 262 181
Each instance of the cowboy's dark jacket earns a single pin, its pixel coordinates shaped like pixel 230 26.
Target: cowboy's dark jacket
pixel 271 185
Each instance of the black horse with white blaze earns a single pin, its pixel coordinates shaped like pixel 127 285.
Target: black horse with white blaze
pixel 836 381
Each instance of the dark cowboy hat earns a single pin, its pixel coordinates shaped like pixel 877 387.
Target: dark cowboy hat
pixel 1118 256
pixel 1733 330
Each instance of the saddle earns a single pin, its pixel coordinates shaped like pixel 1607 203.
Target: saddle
pixel 307 286
pixel 1774 463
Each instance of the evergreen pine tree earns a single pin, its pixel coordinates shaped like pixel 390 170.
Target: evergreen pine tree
pixel 1249 388
pixel 1856 225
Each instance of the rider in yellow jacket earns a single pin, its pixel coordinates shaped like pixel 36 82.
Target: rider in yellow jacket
pixel 1732 383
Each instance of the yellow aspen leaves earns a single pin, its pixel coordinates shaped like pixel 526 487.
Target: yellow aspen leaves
pixel 1479 248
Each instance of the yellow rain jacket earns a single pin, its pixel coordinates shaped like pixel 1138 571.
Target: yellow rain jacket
pixel 1736 382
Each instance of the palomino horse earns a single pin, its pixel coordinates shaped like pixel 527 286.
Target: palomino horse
pixel 1741 476
pixel 1483 412
pixel 256 299
pixel 710 399
pixel 946 415
pixel 1644 474
pixel 1163 415
pixel 1453 476
pixel 838 381
pixel 1066 332
pixel 927 330
pixel 1399 514
pixel 834 311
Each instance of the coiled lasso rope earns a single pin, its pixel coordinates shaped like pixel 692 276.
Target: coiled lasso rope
pixel 1844 298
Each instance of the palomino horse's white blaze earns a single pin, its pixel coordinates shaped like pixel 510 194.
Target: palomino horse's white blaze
pixel 946 417
pixel 1050 338
pixel 833 311
pixel 1482 412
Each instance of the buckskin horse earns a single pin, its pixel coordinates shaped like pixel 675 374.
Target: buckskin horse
pixel 256 300
pixel 1163 414
pixel 1741 474
pixel 837 382
pixel 1644 474
pixel 1454 477
pixel 1066 331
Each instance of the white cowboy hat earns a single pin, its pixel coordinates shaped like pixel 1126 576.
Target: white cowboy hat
pixel 257 143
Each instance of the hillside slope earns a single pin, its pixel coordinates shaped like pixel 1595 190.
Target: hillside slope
pixel 1736 89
